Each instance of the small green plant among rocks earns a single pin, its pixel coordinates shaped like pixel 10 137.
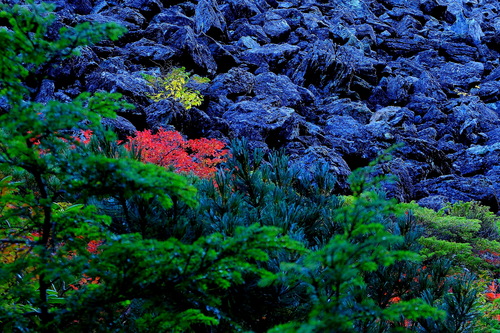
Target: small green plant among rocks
pixel 174 85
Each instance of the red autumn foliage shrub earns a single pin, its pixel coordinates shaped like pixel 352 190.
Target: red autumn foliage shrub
pixel 490 256
pixel 492 293
pixel 170 149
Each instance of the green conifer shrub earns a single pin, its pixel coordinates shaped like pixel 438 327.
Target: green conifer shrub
pixel 466 232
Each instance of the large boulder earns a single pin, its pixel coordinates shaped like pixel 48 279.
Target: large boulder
pixel 193 51
pixel 477 159
pixel 131 85
pixel 164 114
pixel 236 82
pixel 268 125
pixel 148 8
pixel 270 56
pixel 236 9
pixel 453 76
pixel 456 188
pixel 277 86
pixel 121 126
pixel 75 68
pixel 209 19
pixel 132 18
pixel 469 119
pixel 276 28
pixel 148 52
pixel 243 28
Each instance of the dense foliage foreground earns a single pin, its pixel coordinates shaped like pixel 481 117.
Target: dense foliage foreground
pixel 93 239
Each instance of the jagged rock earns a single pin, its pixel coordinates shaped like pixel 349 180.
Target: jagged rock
pixel 477 159
pixel 271 55
pixel 113 65
pixel 435 202
pixel 488 91
pixel 209 20
pixel 493 136
pixel 236 82
pixel 147 7
pixel 311 156
pixel 81 7
pixel 393 90
pixel 402 186
pixel 320 65
pixel 493 175
pixel 381 131
pixel 76 67
pixel 320 154
pixel 174 16
pixel 145 51
pixel 121 126
pixel 196 53
pixel 455 188
pixel 276 27
pixel 242 28
pixel 221 54
pixel 46 91
pixel 467 28
pixel 4 106
pixel 99 18
pixel 170 114
pixel 160 33
pixel 246 42
pixel 280 86
pixel 470 119
pixel 350 139
pixel 366 32
pixel 405 46
pixel 165 113
pixel 338 81
pixel 453 76
pixel 429 160
pixel 131 85
pixel 461 53
pixel 294 18
pixel 345 127
pixel 133 19
pixel 393 115
pixel 271 126
pixel 345 107
pixel 427 110
pixel 237 9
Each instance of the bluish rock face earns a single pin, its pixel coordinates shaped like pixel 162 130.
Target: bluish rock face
pixel 334 80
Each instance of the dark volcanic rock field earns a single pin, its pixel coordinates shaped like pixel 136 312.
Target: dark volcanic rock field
pixel 337 81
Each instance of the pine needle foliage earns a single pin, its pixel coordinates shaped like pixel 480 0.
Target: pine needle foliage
pixel 253 188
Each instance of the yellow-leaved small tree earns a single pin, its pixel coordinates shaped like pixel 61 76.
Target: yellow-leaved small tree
pixel 174 85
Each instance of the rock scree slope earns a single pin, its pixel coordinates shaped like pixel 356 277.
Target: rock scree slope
pixel 338 81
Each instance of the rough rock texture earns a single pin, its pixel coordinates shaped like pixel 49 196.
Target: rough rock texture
pixel 335 81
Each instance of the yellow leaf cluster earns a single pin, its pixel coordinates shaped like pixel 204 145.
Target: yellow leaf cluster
pixel 174 85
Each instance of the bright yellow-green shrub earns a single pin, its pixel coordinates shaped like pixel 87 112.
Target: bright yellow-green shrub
pixel 174 85
pixel 466 232
pixel 459 252
pixel 474 210
pixel 448 227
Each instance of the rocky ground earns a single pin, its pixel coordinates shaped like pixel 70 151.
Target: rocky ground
pixel 337 81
